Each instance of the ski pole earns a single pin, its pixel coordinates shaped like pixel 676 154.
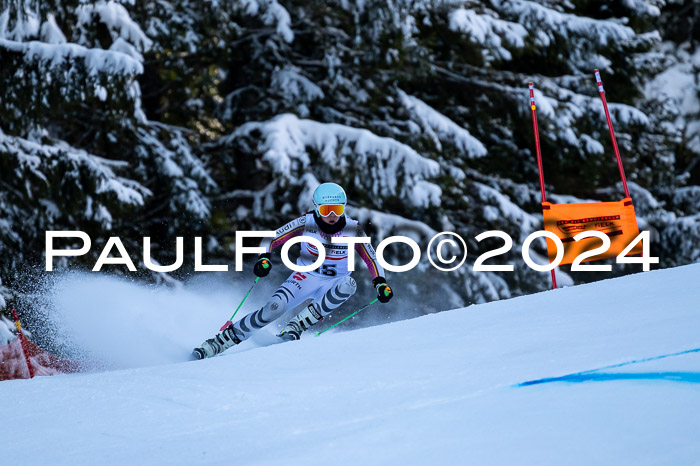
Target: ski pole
pixel 230 321
pixel 357 311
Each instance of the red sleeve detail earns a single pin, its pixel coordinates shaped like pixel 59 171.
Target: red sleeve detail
pixel 279 241
pixel 371 265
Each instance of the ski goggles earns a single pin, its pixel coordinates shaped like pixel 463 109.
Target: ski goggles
pixel 325 210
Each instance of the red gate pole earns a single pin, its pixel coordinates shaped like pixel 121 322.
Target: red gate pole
pixel 533 108
pixel 601 91
pixel 25 350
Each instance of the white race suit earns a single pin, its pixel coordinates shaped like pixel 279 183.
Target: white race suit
pixel 329 286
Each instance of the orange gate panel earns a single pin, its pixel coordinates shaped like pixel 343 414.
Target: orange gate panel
pixel 615 219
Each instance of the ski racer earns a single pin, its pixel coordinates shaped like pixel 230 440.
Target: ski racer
pixel 327 287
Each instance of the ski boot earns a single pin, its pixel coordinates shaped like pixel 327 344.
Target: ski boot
pixel 216 345
pixel 305 319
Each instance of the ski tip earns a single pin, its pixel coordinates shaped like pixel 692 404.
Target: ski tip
pixel 317 334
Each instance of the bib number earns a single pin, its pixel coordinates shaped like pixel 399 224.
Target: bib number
pixel 327 270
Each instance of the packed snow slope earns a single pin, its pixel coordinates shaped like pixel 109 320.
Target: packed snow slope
pixel 604 373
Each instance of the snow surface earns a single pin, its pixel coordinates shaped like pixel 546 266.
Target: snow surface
pixel 610 374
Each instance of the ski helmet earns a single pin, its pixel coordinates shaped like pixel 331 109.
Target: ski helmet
pixel 329 193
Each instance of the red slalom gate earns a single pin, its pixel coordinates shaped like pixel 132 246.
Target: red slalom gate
pixel 14 366
pixel 616 219
pixel 25 350
pixel 533 108
pixel 601 91
pixel 20 358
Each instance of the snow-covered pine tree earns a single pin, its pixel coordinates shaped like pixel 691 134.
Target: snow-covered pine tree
pixel 419 108
pixel 673 97
pixel 76 149
pixel 447 81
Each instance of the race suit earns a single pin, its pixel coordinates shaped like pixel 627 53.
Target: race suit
pixel 329 286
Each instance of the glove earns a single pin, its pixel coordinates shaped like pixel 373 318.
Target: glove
pixel 384 293
pixel 263 265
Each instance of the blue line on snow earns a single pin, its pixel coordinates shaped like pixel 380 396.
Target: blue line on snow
pixel 688 377
pixel 590 376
